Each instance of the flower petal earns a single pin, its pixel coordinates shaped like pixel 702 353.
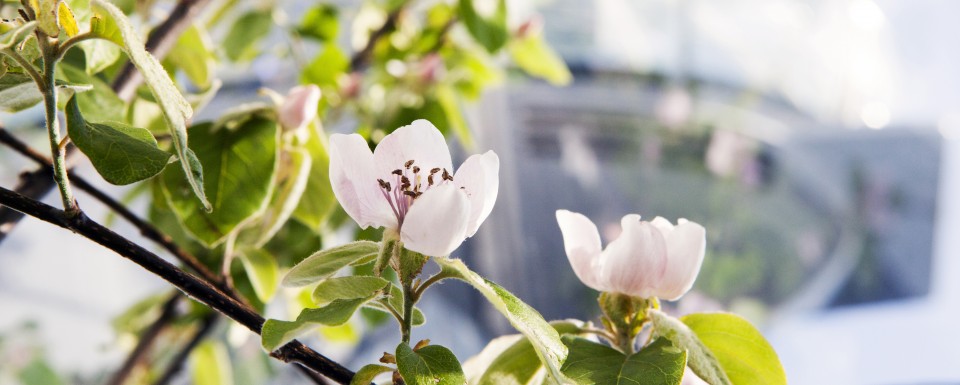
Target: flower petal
pixel 437 221
pixel 479 176
pixel 581 240
pixel 354 184
pixel 634 262
pixel 685 248
pixel 663 225
pixel 300 107
pixel 420 142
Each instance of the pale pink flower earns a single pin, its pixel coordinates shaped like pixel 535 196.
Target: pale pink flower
pixel 648 259
pixel 299 108
pixel 408 185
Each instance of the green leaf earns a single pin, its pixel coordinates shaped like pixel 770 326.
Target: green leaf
pixel 276 333
pixel 99 54
pixel 314 211
pixel 38 372
pixel 524 318
pixel 367 373
pixel 99 104
pixel 263 272
pixel 239 169
pixel 47 16
pixel 701 359
pixel 122 154
pixel 491 33
pixel 294 176
pixel 429 365
pixel 447 99
pixel 745 356
pixel 348 288
pixel 395 302
pixel 18 92
pixel 247 31
pixel 327 67
pixel 110 23
pixel 320 22
pixel 518 364
pixel 325 263
pixel 210 364
pixel 192 55
pixel 532 54
pixel 66 19
pixel 14 34
pixel 593 363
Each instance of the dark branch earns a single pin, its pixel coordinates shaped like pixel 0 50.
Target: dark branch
pixel 147 339
pixel 361 59
pixel 176 364
pixel 192 286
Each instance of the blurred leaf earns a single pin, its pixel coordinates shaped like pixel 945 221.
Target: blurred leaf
pixel 240 166
pixel 262 269
pixel 245 34
pixel 348 288
pixel 745 356
pixel 447 99
pixel 122 154
pixel 276 333
pixel 701 359
pixel 490 33
pixel 659 363
pixel 38 372
pixel 323 264
pixel 110 23
pixel 192 55
pixel 367 373
pixel 518 364
pixel 320 202
pixel 293 176
pixel 429 365
pixel 18 92
pixel 327 67
pixel 141 314
pixel 66 19
pixel 293 243
pixel 100 103
pixel 210 364
pixel 14 34
pixel 320 22
pixel 532 54
pixel 524 318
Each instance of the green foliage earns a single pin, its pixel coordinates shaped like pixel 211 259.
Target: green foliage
pixel 262 270
pixel 210 364
pixel 325 263
pixel 13 34
pixel 110 23
pixel 491 33
pixel 395 303
pixel 320 22
pixel 293 177
pixel 745 356
pixel 316 210
pixel 121 154
pixel 519 364
pixel 524 318
pixel 100 103
pixel 366 374
pixel 276 333
pixel 38 372
pixel 658 363
pixel 18 92
pixel 532 54
pixel 326 68
pixel 245 35
pixel 429 365
pixel 48 22
pixel 193 56
pixel 701 359
pixel 240 164
pixel 350 287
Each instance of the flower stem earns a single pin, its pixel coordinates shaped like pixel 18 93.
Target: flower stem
pixel 48 88
pixel 407 323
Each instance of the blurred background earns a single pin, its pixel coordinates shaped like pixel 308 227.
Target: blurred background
pixel 817 142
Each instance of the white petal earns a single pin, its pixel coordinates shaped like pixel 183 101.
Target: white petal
pixel 437 221
pixel 685 248
pixel 479 176
pixel 420 142
pixel 353 182
pixel 581 241
pixel 663 225
pixel 634 263
pixel 300 107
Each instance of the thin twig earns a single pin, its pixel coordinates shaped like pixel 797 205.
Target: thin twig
pixel 176 364
pixel 147 339
pixel 191 285
pixel 361 59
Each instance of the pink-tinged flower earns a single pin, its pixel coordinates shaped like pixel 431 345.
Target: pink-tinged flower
pixel 299 108
pixel 648 259
pixel 408 185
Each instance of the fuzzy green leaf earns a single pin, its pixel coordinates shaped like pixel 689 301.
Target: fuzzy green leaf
pixel 13 34
pixel 247 31
pixel 429 365
pixel 490 33
pixel 367 373
pixel 263 271
pixel 659 363
pixel 210 364
pixel 276 333
pixel 122 154
pixel 325 263
pixel 518 364
pixel 745 356
pixel 348 288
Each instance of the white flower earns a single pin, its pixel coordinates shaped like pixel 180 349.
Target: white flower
pixel 299 108
pixel 408 185
pixel 648 259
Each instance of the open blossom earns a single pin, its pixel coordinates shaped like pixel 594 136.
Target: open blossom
pixel 299 107
pixel 408 185
pixel 648 259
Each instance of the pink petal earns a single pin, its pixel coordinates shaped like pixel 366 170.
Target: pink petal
pixel 479 176
pixel 437 221
pixel 420 142
pixel 300 107
pixel 634 263
pixel 663 225
pixel 581 240
pixel 685 249
pixel 353 182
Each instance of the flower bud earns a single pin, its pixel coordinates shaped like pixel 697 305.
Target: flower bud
pixel 300 107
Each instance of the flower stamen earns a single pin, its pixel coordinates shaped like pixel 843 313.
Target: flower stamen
pixel 409 187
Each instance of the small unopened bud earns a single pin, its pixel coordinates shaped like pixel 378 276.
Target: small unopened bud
pixel 421 345
pixel 300 107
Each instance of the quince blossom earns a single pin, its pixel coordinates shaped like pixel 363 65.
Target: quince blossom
pixel 408 186
pixel 299 107
pixel 648 259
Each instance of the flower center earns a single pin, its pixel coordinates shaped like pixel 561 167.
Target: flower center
pixel 408 185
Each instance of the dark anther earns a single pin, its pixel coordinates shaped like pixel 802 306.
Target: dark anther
pixel 410 194
pixel 397 172
pixel 430 180
pixel 416 169
pixel 383 184
pixel 434 170
pixel 404 180
pixel 446 175
pixel 408 164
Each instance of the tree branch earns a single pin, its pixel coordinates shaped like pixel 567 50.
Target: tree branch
pixel 147 339
pixel 192 286
pixel 361 59
pixel 176 365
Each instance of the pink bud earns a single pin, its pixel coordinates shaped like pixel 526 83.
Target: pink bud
pixel 300 107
